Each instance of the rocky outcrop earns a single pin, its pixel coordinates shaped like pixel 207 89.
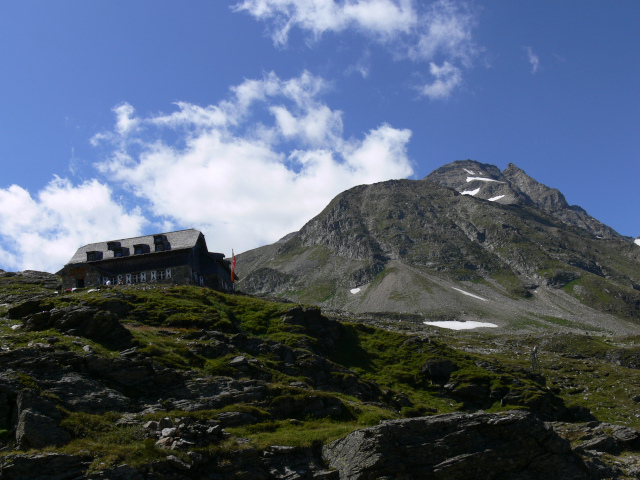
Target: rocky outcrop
pixel 98 325
pixel 46 466
pixel 513 445
pixel 33 284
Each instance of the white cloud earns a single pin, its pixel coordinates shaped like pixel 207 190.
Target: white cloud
pixel 447 77
pixel 125 120
pixel 42 233
pixel 246 182
pixel 534 60
pixel 441 31
pixel 446 28
pixel 245 171
pixel 381 18
pixel 362 66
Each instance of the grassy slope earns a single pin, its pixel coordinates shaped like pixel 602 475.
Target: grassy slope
pixel 577 370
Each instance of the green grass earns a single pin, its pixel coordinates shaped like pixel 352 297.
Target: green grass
pixel 305 434
pixel 606 296
pixel 318 293
pixel 108 444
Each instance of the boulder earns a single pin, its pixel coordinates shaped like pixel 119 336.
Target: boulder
pixel 35 430
pixel 38 421
pixel 315 324
pixel 439 369
pixel 27 308
pixel 512 445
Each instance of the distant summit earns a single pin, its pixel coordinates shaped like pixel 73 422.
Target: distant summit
pixel 514 186
pixel 466 243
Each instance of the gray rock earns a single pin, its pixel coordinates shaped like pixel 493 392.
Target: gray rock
pixel 168 432
pixel 165 423
pixel 121 472
pixel 27 308
pixel 513 445
pixel 49 466
pixel 98 325
pixel 602 443
pixel 35 430
pixel 81 392
pixel 439 369
pixel 182 444
pixel 37 425
pixel 150 425
pixel 234 419
pixel 177 463
pixel 239 361
pixel 164 443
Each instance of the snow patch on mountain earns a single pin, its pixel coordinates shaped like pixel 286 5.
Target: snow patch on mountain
pixel 493 199
pixel 456 325
pixel 355 290
pixel 637 241
pixel 469 171
pixel 471 192
pixel 470 294
pixel 482 179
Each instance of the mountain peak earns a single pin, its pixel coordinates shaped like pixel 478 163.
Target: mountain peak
pixel 513 186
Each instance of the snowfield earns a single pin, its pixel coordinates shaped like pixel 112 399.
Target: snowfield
pixel 456 325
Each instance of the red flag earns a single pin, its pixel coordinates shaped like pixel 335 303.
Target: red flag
pixel 233 265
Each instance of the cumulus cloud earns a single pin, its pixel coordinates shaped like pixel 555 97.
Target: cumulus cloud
pixel 255 166
pixel 441 31
pixel 534 60
pixel 447 77
pixel 43 232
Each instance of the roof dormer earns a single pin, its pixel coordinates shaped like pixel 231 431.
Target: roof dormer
pixel 94 255
pixel 140 248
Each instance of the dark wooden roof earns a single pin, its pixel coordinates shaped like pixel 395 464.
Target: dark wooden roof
pixel 174 241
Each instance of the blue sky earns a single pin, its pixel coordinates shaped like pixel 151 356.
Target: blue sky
pixel 244 118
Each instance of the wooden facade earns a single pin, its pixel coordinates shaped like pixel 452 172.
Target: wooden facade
pixel 179 257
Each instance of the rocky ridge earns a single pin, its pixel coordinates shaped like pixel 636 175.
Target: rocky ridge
pixel 514 186
pixel 209 385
